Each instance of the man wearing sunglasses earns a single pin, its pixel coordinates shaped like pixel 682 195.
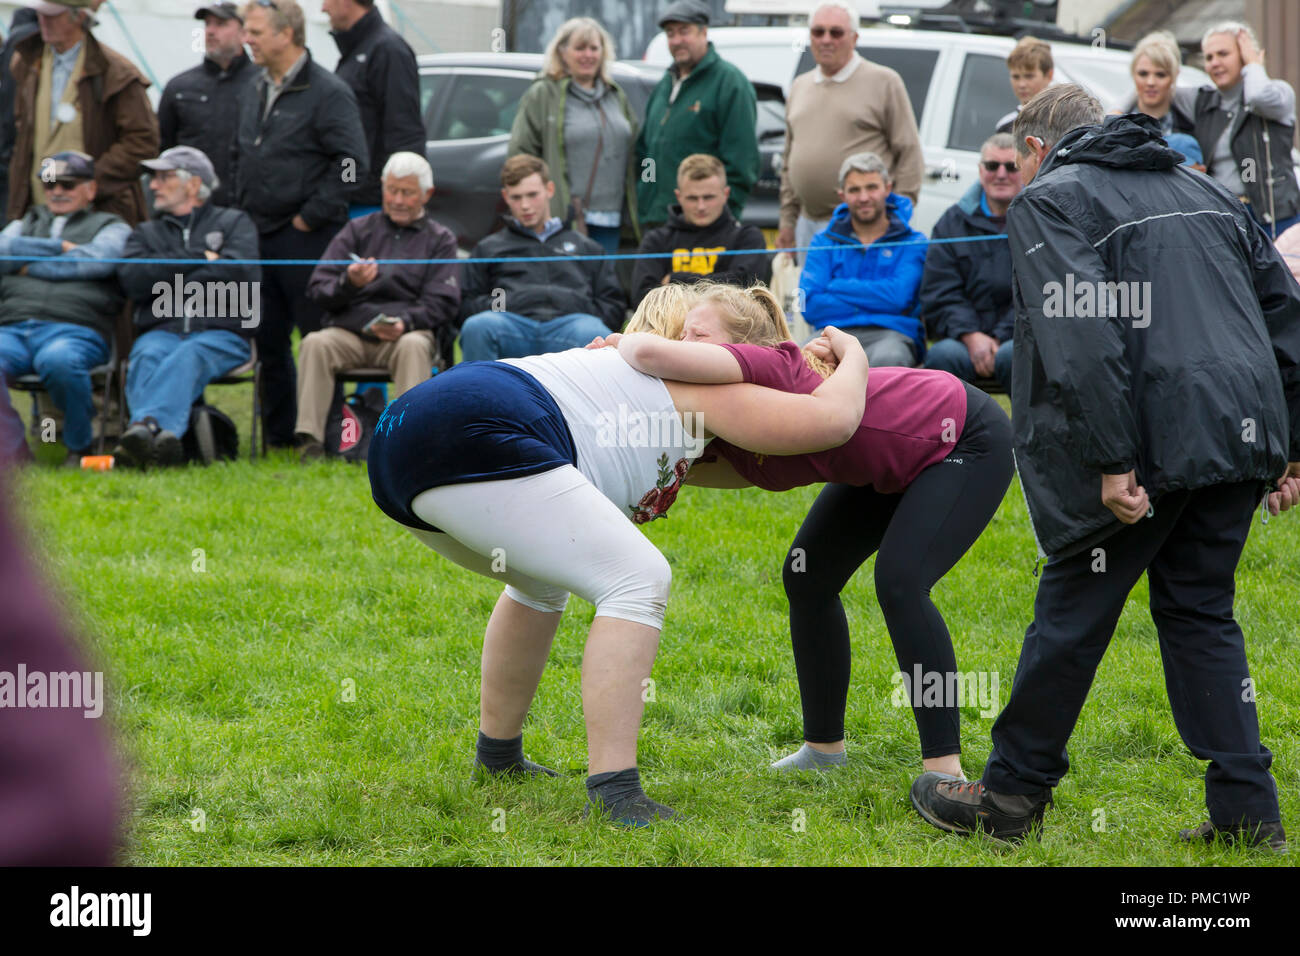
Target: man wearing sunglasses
pixel 845 106
pixel 57 308
pixel 966 289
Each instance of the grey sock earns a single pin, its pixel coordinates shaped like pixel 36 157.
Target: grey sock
pixel 805 758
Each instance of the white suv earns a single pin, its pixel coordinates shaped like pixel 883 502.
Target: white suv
pixel 957 83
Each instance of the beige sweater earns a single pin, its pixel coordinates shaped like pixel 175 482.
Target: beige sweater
pixel 827 122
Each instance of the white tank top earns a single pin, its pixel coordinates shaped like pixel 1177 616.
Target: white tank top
pixel 629 438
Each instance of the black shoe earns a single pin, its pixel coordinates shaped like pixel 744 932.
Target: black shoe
pixel 73 460
pixel 963 807
pixel 1270 835
pixel 168 449
pixel 308 448
pixel 135 449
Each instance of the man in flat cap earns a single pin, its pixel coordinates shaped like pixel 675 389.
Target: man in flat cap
pixel 57 314
pixel 196 319
pixel 199 107
pixel 703 104
pixel 73 93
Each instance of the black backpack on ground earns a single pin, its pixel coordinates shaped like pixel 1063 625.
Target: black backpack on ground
pixel 212 436
pixel 351 422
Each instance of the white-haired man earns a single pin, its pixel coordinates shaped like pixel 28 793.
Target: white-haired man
pixel 846 105
pixel 1245 124
pixel 380 315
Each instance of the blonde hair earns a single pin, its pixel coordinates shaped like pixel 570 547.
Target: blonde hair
pixel 699 166
pixel 1161 48
pixel 575 31
pixel 663 311
pixel 1031 53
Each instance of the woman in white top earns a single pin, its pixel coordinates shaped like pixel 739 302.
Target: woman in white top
pixel 535 471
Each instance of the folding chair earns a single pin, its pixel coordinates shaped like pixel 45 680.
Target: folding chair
pixel 250 371
pixel 106 375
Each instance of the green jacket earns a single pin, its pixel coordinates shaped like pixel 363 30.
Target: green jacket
pixel 539 131
pixel 715 113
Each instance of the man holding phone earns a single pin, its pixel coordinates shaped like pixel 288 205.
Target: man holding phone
pixel 379 312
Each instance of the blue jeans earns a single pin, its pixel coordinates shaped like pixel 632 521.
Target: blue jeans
pixel 62 354
pixel 607 236
pixel 951 355
pixel 487 336
pixel 167 372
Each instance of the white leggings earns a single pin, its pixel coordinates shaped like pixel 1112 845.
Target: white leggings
pixel 545 536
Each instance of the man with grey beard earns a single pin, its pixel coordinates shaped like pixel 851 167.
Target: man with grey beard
pixel 1146 436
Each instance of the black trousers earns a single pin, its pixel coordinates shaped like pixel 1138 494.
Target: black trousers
pixel 1189 549
pixel 920 533
pixel 284 305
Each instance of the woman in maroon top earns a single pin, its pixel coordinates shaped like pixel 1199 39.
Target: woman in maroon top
pixel 918 482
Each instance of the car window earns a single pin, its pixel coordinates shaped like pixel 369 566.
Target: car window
pixel 983 97
pixel 433 90
pixel 480 104
pixel 914 65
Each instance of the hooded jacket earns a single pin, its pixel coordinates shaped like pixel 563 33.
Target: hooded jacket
pixel 379 66
pixel 967 285
pixel 120 130
pixel 1157 330
pixel 696 253
pixel 542 290
pixel 849 285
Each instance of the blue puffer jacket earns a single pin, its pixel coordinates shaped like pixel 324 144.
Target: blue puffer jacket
pixel 848 285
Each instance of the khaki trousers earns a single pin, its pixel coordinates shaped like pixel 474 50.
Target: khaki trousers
pixel 322 354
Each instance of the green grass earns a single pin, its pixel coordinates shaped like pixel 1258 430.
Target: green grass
pixel 226 687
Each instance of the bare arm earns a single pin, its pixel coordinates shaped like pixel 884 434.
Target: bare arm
pixel 700 362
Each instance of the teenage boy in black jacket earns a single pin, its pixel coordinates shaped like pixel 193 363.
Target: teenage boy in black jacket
pixel 524 307
pixel 700 228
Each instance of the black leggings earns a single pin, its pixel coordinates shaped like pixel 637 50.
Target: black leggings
pixel 920 533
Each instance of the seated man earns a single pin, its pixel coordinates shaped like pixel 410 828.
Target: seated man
pixel 699 228
pixel 197 319
pixel 872 293
pixel 379 315
pixel 520 307
pixel 966 289
pixel 57 317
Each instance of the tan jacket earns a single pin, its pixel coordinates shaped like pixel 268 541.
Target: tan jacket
pixel 118 122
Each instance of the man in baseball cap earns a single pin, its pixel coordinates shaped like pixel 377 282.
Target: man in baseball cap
pixel 194 320
pixel 686 11
pixel 222 11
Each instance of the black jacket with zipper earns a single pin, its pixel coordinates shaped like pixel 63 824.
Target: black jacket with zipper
pixel 696 253
pixel 299 159
pixel 542 290
pixel 380 68
pixel 229 233
pixel 200 108
pixel 1191 377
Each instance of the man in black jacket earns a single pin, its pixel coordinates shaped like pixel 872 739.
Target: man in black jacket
pixel 200 107
pixel 524 307
pixel 196 320
pixel 699 233
pixel 380 68
pixel 298 146
pixel 23 25
pixel 389 315
pixel 966 287
pixel 1156 403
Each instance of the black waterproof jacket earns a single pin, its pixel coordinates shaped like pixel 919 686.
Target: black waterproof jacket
pixel 695 253
pixel 542 290
pixel 966 286
pixel 1157 330
pixel 380 68
pixel 298 160
pixel 200 108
